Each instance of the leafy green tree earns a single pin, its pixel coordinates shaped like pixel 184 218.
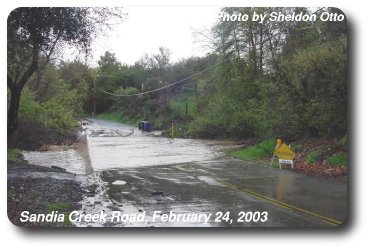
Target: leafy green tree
pixel 33 36
pixel 282 76
pixel 108 78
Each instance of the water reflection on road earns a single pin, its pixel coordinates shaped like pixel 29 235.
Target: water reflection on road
pixel 285 186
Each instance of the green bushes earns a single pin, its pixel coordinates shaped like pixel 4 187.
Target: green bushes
pixel 298 148
pixel 227 117
pixel 260 150
pixel 304 93
pixel 14 155
pixel 115 116
pixel 312 157
pixel 337 160
pixel 55 113
pixel 178 106
pixel 29 108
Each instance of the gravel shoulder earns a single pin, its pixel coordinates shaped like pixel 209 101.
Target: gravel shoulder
pixel 41 190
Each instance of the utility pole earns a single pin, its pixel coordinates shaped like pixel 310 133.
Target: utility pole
pixel 94 97
pixel 173 130
pixel 47 134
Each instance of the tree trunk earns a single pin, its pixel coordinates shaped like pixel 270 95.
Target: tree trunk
pixel 15 96
pixel 16 90
pixel 238 52
pixel 261 50
pixel 253 52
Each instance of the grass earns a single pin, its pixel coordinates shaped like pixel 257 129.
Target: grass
pixel 337 160
pixel 14 155
pixel 118 117
pixel 260 150
pixel 114 117
pixel 312 157
pixel 62 208
pixel 58 206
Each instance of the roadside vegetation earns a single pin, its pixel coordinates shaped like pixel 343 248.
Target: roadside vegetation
pixel 14 155
pixel 315 157
pixel 62 208
pixel 114 117
pixel 337 160
pixel 285 79
pixel 293 86
pixel 44 92
pixel 260 150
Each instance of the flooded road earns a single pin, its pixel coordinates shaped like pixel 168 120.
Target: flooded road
pixel 115 145
pixel 153 178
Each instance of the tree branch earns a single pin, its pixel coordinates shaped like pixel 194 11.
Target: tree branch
pixel 10 82
pixel 48 56
pixel 33 67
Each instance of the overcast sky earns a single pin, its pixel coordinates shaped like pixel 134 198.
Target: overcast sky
pixel 147 28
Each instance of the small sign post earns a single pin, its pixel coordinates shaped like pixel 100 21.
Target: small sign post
pixel 281 162
pixel 285 154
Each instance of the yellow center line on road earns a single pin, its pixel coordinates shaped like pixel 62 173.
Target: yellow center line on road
pixel 281 204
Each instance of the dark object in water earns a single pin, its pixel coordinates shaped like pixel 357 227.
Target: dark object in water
pixel 145 126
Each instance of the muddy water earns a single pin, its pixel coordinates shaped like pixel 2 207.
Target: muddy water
pixel 75 159
pixel 107 145
pixel 117 146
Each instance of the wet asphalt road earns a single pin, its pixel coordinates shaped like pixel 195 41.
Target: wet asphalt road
pixel 152 178
pixel 139 173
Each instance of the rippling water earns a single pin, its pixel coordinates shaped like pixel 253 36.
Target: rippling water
pixel 132 148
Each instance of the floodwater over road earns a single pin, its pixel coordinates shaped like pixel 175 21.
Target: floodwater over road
pixel 165 182
pixel 73 160
pixel 114 145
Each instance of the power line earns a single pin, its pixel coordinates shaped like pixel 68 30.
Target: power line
pixel 169 85
pixel 200 72
pixel 125 73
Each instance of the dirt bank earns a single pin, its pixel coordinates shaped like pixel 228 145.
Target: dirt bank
pixel 41 190
pixel 30 136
